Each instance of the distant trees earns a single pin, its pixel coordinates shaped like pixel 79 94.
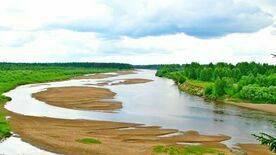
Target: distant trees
pixel 250 81
pixel 157 66
pixel 5 66
pixel 167 69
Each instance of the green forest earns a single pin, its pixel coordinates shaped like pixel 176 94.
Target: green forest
pixel 15 74
pixel 243 82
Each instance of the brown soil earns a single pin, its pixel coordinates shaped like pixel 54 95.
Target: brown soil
pixel 61 135
pixel 255 149
pixel 88 98
pixel 262 107
pixel 105 75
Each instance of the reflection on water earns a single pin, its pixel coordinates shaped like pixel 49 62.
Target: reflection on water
pixel 155 103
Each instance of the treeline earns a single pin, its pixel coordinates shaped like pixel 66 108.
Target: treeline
pixel 156 66
pixel 15 74
pixel 253 82
pixel 5 66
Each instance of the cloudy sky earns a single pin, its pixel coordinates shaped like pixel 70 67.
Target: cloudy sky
pixel 138 31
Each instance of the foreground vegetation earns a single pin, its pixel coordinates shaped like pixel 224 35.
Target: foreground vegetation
pixel 246 82
pixel 267 139
pixel 15 74
pixel 187 150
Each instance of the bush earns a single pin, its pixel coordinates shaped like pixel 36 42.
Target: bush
pixel 259 94
pixel 208 90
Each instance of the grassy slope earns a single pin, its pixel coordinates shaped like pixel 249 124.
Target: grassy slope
pixel 194 87
pixel 10 79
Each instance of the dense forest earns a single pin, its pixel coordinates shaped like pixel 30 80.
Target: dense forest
pixel 248 82
pixel 156 66
pixel 4 65
pixel 15 74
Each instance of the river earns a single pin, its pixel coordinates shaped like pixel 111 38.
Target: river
pixel 155 103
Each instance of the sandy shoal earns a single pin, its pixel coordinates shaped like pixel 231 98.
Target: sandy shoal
pixel 105 75
pixel 255 149
pixel 123 82
pixel 133 81
pixel 61 135
pixel 87 98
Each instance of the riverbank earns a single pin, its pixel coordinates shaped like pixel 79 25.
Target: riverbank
pixel 197 88
pixel 63 136
pixel 271 108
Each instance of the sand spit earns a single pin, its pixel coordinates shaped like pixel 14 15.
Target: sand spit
pixel 87 98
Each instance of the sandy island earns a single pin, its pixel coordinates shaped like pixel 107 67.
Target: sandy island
pixel 87 98
pixel 132 81
pixel 105 75
pixel 123 82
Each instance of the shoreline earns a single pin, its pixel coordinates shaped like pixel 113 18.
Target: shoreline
pixel 198 91
pixel 270 108
pixel 62 135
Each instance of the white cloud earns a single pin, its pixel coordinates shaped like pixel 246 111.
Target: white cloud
pixel 64 45
pixel 210 18
pixel 24 38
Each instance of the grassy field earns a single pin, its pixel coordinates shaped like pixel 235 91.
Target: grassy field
pixel 10 78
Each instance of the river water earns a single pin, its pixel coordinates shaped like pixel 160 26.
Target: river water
pixel 155 103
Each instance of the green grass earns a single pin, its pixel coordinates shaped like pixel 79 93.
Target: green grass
pixel 89 141
pixel 186 150
pixel 198 83
pixel 11 78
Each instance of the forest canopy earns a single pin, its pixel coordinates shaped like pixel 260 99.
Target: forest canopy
pixel 252 82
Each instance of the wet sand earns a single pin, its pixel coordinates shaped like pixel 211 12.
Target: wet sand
pixel 86 98
pixel 61 135
pixel 262 107
pixel 255 149
pixel 132 81
pixel 123 82
pixel 105 75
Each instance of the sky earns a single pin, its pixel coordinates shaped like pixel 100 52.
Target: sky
pixel 138 31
